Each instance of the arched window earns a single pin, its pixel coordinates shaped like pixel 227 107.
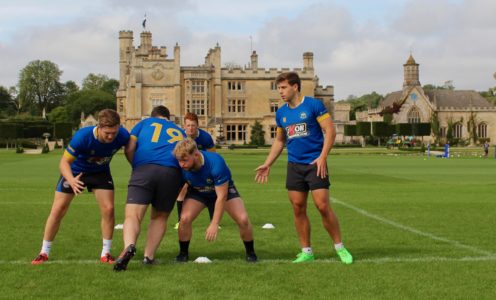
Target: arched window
pixel 457 130
pixel 482 130
pixel 414 115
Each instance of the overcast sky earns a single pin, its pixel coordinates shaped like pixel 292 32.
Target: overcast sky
pixel 359 46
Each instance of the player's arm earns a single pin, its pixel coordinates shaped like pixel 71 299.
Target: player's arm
pixel 221 191
pixel 262 172
pixel 327 126
pixel 130 149
pixel 65 169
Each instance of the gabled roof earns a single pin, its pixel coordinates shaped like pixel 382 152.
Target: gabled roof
pixel 457 99
pixel 444 98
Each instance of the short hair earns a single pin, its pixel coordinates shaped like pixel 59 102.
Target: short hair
pixel 108 118
pixel 291 77
pixel 191 116
pixel 185 147
pixel 161 111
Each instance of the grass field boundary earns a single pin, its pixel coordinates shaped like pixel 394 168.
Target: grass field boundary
pixel 382 260
pixel 411 229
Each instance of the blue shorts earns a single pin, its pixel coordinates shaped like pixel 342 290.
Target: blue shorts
pixel 208 199
pixel 303 178
pixel 156 185
pixel 92 181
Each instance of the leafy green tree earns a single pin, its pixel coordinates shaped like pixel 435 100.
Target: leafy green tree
pixel 70 88
pixel 89 102
pixel 94 81
pixel 362 103
pixel 490 95
pixel 257 134
pixel 7 107
pixel 110 86
pixel 39 84
pixel 60 114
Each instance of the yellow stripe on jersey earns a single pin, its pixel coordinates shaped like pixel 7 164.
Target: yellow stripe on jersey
pixel 135 138
pixel 323 117
pixel 69 156
pixel 279 129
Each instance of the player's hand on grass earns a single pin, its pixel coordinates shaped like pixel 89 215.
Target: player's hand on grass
pixel 262 174
pixel 76 184
pixel 321 163
pixel 211 233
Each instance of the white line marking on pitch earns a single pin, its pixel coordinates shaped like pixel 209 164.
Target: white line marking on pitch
pixel 381 260
pixel 411 229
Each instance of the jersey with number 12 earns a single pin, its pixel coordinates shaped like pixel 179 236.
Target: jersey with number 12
pixel 155 141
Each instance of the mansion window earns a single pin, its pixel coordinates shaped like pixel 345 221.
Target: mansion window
pixel 442 132
pixel 235 86
pixel 482 130
pixel 457 130
pixel 236 105
pixel 156 102
pixel 273 86
pixel 274 106
pixel 414 116
pixel 197 86
pixel 236 133
pixel 273 131
pixel 196 106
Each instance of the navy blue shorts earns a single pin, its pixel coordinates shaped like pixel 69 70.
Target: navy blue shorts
pixel 303 178
pixel 92 181
pixel 208 199
pixel 156 185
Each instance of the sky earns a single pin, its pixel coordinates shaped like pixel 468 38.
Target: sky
pixel 359 46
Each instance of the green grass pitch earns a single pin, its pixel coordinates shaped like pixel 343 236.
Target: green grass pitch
pixel 418 228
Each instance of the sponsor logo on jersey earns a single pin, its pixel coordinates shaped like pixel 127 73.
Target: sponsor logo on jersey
pixel 99 160
pixel 303 116
pixel 66 184
pixel 284 119
pixel 296 130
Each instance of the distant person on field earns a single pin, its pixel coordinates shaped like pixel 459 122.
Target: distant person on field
pixel 486 149
pixel 85 164
pixel 209 183
pixel 305 126
pixel 156 179
pixel 203 141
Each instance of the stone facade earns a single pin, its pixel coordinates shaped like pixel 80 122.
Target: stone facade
pixel 228 100
pixel 450 106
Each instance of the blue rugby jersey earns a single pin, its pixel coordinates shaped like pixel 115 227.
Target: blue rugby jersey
pixel 214 172
pixel 155 141
pixel 304 137
pixel 204 140
pixel 93 156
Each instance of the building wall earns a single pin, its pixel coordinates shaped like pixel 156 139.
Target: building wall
pixel 148 77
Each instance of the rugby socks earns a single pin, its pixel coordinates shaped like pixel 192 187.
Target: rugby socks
pixel 307 250
pixel 249 246
pixel 338 246
pixel 45 248
pixel 107 244
pixel 179 209
pixel 184 247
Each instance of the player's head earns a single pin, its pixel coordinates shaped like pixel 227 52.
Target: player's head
pixel 109 122
pixel 288 85
pixel 191 124
pixel 160 111
pixel 187 154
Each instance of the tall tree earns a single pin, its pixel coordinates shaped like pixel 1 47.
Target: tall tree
pixel 7 107
pixel 39 84
pixel 257 134
pixel 94 81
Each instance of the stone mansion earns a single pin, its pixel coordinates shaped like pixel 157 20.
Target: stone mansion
pixel 228 100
